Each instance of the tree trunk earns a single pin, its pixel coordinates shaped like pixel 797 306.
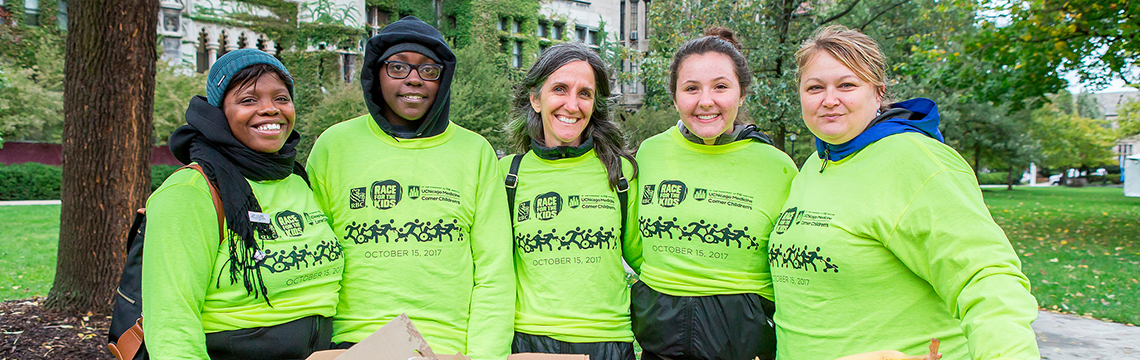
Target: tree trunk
pixel 1009 179
pixel 977 158
pixel 108 101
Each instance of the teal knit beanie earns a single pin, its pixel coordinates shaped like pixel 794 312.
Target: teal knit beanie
pixel 229 64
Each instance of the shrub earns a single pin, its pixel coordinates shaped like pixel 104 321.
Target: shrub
pixel 30 181
pixel 995 178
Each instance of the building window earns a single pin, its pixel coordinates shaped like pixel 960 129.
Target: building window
pixel 558 31
pixel 593 38
pixel 581 32
pixel 621 28
pixel 514 26
pixel 542 29
pixel 633 21
pixel 451 22
pixel 516 54
pixel 348 61
pixel 502 24
pixel 203 54
pixel 376 20
pixel 645 29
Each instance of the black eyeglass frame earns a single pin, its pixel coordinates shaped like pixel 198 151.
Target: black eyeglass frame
pixel 416 67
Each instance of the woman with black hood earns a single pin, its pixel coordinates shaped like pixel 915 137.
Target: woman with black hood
pixel 268 288
pixel 418 204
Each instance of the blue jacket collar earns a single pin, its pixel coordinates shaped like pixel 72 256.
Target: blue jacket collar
pixel 918 115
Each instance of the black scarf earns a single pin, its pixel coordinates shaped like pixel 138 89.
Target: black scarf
pixel 206 139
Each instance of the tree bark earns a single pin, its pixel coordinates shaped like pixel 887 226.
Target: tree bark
pixel 108 102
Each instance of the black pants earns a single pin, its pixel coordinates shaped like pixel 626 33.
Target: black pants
pixel 292 340
pixel 607 350
pixel 717 327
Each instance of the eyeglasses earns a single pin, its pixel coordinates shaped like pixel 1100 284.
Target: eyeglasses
pixel 401 70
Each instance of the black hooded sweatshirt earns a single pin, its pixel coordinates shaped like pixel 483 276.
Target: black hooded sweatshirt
pixel 408 30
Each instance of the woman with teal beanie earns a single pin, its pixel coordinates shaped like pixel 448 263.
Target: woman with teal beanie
pixel 268 288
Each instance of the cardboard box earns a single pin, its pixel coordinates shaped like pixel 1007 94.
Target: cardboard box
pixel 399 340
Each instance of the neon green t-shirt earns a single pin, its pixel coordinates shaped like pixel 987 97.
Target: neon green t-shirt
pixel 568 250
pixel 705 212
pixel 186 276
pixel 425 231
pixel 893 246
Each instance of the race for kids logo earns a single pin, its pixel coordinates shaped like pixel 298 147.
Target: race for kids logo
pixel 290 223
pixel 794 217
pixel 386 194
pixel 671 193
pixel 547 206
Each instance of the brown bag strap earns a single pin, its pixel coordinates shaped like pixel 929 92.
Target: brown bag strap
pixel 129 343
pixel 217 201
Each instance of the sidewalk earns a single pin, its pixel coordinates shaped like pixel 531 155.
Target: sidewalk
pixel 29 202
pixel 1068 337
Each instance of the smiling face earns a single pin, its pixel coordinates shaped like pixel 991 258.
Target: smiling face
pixel 565 102
pixel 410 98
pixel 837 104
pixel 708 95
pixel 260 113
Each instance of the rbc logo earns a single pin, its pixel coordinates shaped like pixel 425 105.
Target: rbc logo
pixel 357 198
pixel 647 195
pixel 523 211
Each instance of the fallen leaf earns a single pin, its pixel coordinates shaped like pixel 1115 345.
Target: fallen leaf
pixel 1083 266
pixel 1053 260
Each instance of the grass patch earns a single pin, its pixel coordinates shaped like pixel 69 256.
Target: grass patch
pixel 28 242
pixel 1080 247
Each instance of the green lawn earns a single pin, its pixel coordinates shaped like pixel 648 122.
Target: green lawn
pixel 1080 248
pixel 28 239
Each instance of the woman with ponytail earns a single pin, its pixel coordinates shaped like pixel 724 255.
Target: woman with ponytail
pixel 268 288
pixel 569 180
pixel 711 190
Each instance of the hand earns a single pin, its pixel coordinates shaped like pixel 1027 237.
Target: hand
pixel 897 355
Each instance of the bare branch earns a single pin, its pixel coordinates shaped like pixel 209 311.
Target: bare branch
pixel 863 27
pixel 840 14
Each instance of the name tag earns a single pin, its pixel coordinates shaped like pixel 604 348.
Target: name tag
pixel 259 217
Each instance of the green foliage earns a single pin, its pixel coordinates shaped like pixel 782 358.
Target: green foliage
pixel 1129 118
pixel 174 87
pixel 481 96
pixel 1087 107
pixel 314 72
pixel 31 97
pixel 646 123
pixel 1099 39
pixel 1078 246
pixel 30 181
pixel 343 102
pixel 28 250
pixel 1069 140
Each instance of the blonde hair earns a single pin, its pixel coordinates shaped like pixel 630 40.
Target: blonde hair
pixel 854 49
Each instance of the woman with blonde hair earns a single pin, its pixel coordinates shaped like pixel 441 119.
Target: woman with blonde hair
pixel 885 242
